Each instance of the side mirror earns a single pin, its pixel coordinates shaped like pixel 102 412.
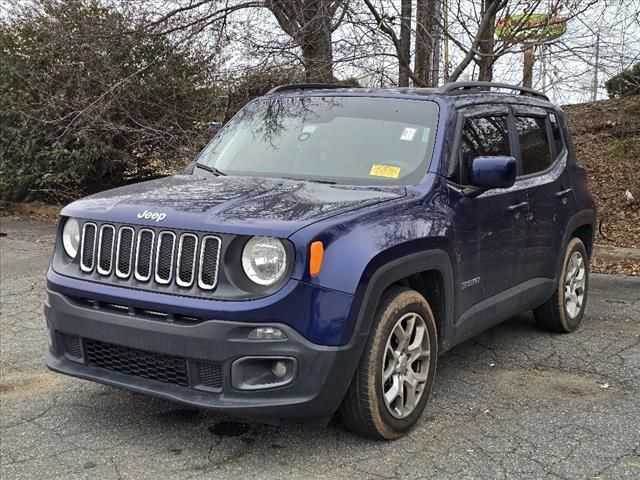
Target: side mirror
pixel 493 172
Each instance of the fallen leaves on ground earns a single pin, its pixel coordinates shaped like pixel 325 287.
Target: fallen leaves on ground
pixel 606 136
pixel 615 266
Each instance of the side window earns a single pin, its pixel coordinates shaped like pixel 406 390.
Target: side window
pixel 557 136
pixel 482 136
pixel 535 150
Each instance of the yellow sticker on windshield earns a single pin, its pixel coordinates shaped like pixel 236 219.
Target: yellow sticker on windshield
pixel 384 171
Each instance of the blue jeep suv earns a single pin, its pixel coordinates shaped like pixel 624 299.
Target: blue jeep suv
pixel 322 251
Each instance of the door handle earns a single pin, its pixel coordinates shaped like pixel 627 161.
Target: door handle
pixel 517 206
pixel 564 193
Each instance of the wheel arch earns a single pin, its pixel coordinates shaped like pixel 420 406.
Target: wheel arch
pixel 583 226
pixel 429 272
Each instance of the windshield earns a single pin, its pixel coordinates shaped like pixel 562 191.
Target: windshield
pixel 347 140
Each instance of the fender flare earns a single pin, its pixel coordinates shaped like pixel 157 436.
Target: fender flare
pixel 580 219
pixel 367 296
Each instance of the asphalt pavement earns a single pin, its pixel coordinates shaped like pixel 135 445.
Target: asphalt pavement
pixel 514 402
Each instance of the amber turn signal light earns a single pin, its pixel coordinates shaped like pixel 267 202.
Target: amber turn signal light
pixel 315 258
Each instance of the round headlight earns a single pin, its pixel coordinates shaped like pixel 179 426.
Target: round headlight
pixel 264 260
pixel 71 237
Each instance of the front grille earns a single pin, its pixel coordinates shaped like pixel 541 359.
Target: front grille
pixel 164 257
pixel 144 254
pixel 159 258
pixel 124 253
pixel 105 249
pixel 88 246
pixel 130 361
pixel 187 259
pixel 209 258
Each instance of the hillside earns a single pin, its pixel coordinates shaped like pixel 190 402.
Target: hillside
pixel 606 135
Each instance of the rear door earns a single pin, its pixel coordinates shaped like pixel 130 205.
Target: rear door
pixel 543 156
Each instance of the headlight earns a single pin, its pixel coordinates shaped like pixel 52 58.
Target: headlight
pixel 71 237
pixel 264 260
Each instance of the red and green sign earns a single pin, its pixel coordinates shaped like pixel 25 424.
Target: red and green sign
pixel 531 28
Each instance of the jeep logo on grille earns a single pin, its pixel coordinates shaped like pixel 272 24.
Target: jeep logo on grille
pixel 157 216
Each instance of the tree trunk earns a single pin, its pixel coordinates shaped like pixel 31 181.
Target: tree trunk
pixel 529 60
pixel 309 24
pixel 437 41
pixel 317 51
pixel 426 25
pixel 405 44
pixel 486 45
pixel 317 57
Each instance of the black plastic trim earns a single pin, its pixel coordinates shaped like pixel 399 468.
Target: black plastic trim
pixel 317 390
pixel 398 269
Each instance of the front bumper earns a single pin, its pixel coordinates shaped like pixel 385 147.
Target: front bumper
pixel 134 344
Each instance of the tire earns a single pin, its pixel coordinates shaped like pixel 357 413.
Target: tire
pixel 562 313
pixel 364 409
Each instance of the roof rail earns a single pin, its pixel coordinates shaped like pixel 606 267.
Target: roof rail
pixel 461 87
pixel 305 86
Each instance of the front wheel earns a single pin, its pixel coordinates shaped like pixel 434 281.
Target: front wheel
pixel 563 312
pixel 395 375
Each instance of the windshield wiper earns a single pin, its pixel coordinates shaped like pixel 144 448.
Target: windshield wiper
pixel 328 182
pixel 209 169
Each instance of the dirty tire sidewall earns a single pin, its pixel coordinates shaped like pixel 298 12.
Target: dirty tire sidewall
pixel 570 324
pixel 403 301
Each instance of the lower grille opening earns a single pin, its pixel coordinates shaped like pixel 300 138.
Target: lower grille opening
pixel 72 346
pixel 140 363
pixel 210 375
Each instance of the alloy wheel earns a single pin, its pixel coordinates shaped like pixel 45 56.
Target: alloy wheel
pixel 405 365
pixel 574 284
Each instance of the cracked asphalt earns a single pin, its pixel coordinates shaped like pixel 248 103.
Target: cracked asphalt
pixel 513 403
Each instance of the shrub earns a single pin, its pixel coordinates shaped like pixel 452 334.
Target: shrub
pixel 88 101
pixel 624 84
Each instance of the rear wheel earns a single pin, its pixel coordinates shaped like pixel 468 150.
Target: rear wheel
pixel 564 310
pixel 395 375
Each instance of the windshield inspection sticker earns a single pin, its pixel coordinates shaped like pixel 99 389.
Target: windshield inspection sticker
pixel 384 171
pixel 408 134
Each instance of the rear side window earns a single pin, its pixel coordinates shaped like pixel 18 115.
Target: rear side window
pixel 483 136
pixel 557 136
pixel 535 153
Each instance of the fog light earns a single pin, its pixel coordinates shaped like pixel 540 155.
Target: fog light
pixel 267 333
pixel 256 373
pixel 279 369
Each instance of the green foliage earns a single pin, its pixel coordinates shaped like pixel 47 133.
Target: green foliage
pixel 624 84
pixel 88 101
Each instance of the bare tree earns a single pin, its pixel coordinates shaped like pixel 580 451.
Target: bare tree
pixel 486 43
pixel 427 40
pixel 310 24
pixel 405 43
pixel 525 33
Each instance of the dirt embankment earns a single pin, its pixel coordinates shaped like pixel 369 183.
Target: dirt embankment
pixel 606 135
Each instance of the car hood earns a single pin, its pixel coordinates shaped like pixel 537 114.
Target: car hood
pixel 229 204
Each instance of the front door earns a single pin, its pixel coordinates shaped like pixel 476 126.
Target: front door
pixel 490 229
